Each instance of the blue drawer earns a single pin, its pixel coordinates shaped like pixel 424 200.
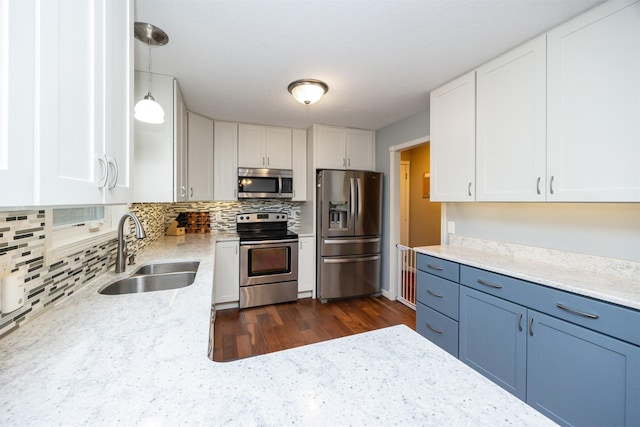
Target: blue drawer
pixel 446 269
pixel 438 293
pixel 437 328
pixel 616 321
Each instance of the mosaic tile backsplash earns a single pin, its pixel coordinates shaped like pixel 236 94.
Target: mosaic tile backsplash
pixel 22 247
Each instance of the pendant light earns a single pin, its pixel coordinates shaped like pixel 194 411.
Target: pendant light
pixel 308 91
pixel 147 109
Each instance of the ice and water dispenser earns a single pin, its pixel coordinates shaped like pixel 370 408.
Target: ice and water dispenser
pixel 338 215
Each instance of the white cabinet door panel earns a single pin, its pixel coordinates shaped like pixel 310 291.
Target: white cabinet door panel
pixel 278 148
pixel 201 169
pixel 511 125
pixel 593 133
pixel 453 113
pixel 299 164
pixel 360 149
pixel 307 265
pixel 330 147
pixel 225 161
pixel 226 280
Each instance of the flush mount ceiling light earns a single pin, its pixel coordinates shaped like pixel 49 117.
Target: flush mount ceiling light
pixel 308 91
pixel 147 109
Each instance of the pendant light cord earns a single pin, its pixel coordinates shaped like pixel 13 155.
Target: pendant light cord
pixel 149 44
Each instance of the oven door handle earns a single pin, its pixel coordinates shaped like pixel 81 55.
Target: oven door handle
pixel 262 242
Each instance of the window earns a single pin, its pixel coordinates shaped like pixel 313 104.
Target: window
pixel 69 230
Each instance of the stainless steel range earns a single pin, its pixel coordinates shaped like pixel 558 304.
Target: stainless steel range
pixel 268 259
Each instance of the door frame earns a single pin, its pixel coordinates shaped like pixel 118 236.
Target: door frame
pixel 394 211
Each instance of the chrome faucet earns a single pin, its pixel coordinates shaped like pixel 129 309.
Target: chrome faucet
pixel 121 256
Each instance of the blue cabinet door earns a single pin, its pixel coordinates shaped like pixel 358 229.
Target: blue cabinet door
pixel 580 377
pixel 493 339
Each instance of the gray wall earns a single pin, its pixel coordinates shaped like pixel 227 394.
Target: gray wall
pixel 408 129
pixel 609 230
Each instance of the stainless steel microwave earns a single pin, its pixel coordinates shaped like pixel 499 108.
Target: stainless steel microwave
pixel 256 183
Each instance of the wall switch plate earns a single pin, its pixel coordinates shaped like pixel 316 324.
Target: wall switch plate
pixel 451 227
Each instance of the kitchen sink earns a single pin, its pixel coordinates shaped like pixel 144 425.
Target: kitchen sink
pixel 168 267
pixel 149 282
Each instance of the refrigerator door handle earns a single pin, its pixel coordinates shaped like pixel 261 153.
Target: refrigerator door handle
pixel 347 260
pixel 352 203
pixel 359 197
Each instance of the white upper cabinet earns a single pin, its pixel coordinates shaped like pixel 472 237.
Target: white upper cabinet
pixel 264 147
pixel 453 125
pixel 66 119
pixel 84 99
pixel 299 160
pixel 225 161
pixel 511 125
pixel 360 149
pixel 158 146
pixel 200 157
pixel 17 173
pixel 593 116
pixel 181 143
pixel 343 148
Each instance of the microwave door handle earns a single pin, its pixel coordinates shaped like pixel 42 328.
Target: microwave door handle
pixel 279 189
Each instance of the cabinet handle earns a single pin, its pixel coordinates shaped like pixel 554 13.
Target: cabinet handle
pixel 102 183
pixel 551 184
pixel 191 195
pixel 267 160
pixel 469 189
pixel 183 191
pixel 491 285
pixel 435 294
pixel 578 312
pixel 111 161
pixel 538 185
pixel 349 161
pixel 435 267
pixel 520 322
pixel 263 160
pixel 344 162
pixel 531 326
pixel 437 331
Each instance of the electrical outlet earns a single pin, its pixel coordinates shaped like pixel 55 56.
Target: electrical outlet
pixel 451 227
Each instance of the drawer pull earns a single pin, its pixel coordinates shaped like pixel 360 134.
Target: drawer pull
pixel 578 312
pixel 435 267
pixel 491 285
pixel 437 331
pixel 520 322
pixel 435 294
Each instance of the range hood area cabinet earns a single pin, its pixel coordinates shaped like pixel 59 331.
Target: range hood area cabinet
pixel 77 61
pixel 557 118
pixel 161 161
pixel 264 147
pixel 342 148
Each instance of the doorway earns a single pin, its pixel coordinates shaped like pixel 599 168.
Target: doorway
pixel 414 219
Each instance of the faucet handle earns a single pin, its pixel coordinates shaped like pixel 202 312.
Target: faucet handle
pixel 132 259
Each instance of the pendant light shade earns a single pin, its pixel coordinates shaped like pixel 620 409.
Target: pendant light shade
pixel 308 91
pixel 147 109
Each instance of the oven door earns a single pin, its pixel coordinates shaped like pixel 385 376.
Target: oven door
pixel 270 261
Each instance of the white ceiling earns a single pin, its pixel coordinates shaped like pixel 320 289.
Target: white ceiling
pixel 233 59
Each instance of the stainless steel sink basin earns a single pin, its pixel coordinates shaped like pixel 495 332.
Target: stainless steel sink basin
pixel 149 282
pixel 168 267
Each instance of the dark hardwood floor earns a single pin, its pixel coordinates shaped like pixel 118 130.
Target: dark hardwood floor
pixel 260 330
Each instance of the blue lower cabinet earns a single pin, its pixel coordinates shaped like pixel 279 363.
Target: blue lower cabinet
pixel 437 328
pixel 579 377
pixel 493 339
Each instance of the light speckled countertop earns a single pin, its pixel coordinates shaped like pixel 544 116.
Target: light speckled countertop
pixel 625 292
pixel 140 359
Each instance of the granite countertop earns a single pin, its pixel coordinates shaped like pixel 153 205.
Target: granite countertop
pixel 602 286
pixel 141 359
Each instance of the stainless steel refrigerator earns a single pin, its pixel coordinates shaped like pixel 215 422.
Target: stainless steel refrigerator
pixel 349 225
